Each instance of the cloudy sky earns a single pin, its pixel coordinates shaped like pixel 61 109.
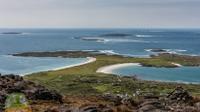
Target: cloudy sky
pixel 100 13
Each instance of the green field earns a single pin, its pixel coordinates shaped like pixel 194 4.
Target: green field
pixel 84 80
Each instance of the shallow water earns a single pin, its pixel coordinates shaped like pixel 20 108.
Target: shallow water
pixel 24 65
pixel 181 74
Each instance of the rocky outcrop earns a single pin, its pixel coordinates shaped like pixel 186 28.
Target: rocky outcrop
pixel 16 84
pixel 157 50
pixel 152 106
pixel 85 108
pixel 178 100
pixel 45 100
pixel 119 99
pixel 179 95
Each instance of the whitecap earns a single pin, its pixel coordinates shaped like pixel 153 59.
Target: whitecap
pixel 180 50
pixel 175 51
pixel 25 33
pixel 172 51
pixel 107 52
pixel 143 35
pixel 149 50
pixel 106 40
pixel 125 40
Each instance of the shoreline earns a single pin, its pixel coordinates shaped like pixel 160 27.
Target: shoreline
pixel 109 69
pixel 177 64
pixel 90 60
pixel 162 60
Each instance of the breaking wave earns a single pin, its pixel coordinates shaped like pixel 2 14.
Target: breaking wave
pixel 143 35
pixel 173 51
pixel 106 40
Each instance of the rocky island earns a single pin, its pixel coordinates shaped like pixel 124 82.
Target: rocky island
pixel 11 33
pixel 160 60
pixel 115 35
pixel 157 50
pixel 103 37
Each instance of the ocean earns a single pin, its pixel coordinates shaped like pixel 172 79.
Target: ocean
pixel 129 42
pixel 185 41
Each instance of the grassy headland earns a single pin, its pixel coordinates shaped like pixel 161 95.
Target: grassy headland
pixel 83 80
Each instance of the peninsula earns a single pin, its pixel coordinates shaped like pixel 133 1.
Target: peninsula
pixel 86 90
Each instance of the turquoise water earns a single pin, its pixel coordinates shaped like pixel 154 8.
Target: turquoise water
pixel 181 74
pixel 24 65
pixel 182 41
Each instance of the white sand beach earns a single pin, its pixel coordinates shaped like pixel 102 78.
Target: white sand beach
pixel 109 69
pixel 90 60
pixel 177 64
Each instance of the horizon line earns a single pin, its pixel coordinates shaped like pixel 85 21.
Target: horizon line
pixel 99 27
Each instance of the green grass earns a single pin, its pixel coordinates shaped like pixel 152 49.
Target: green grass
pixel 16 100
pixel 84 80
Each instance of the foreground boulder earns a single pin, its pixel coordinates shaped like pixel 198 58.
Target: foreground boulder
pixel 179 100
pixel 179 95
pixel 15 84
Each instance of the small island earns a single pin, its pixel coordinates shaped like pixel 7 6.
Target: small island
pixel 102 38
pixel 157 50
pixel 160 60
pixel 115 35
pixel 11 33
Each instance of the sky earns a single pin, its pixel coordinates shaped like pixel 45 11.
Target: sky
pixel 100 13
